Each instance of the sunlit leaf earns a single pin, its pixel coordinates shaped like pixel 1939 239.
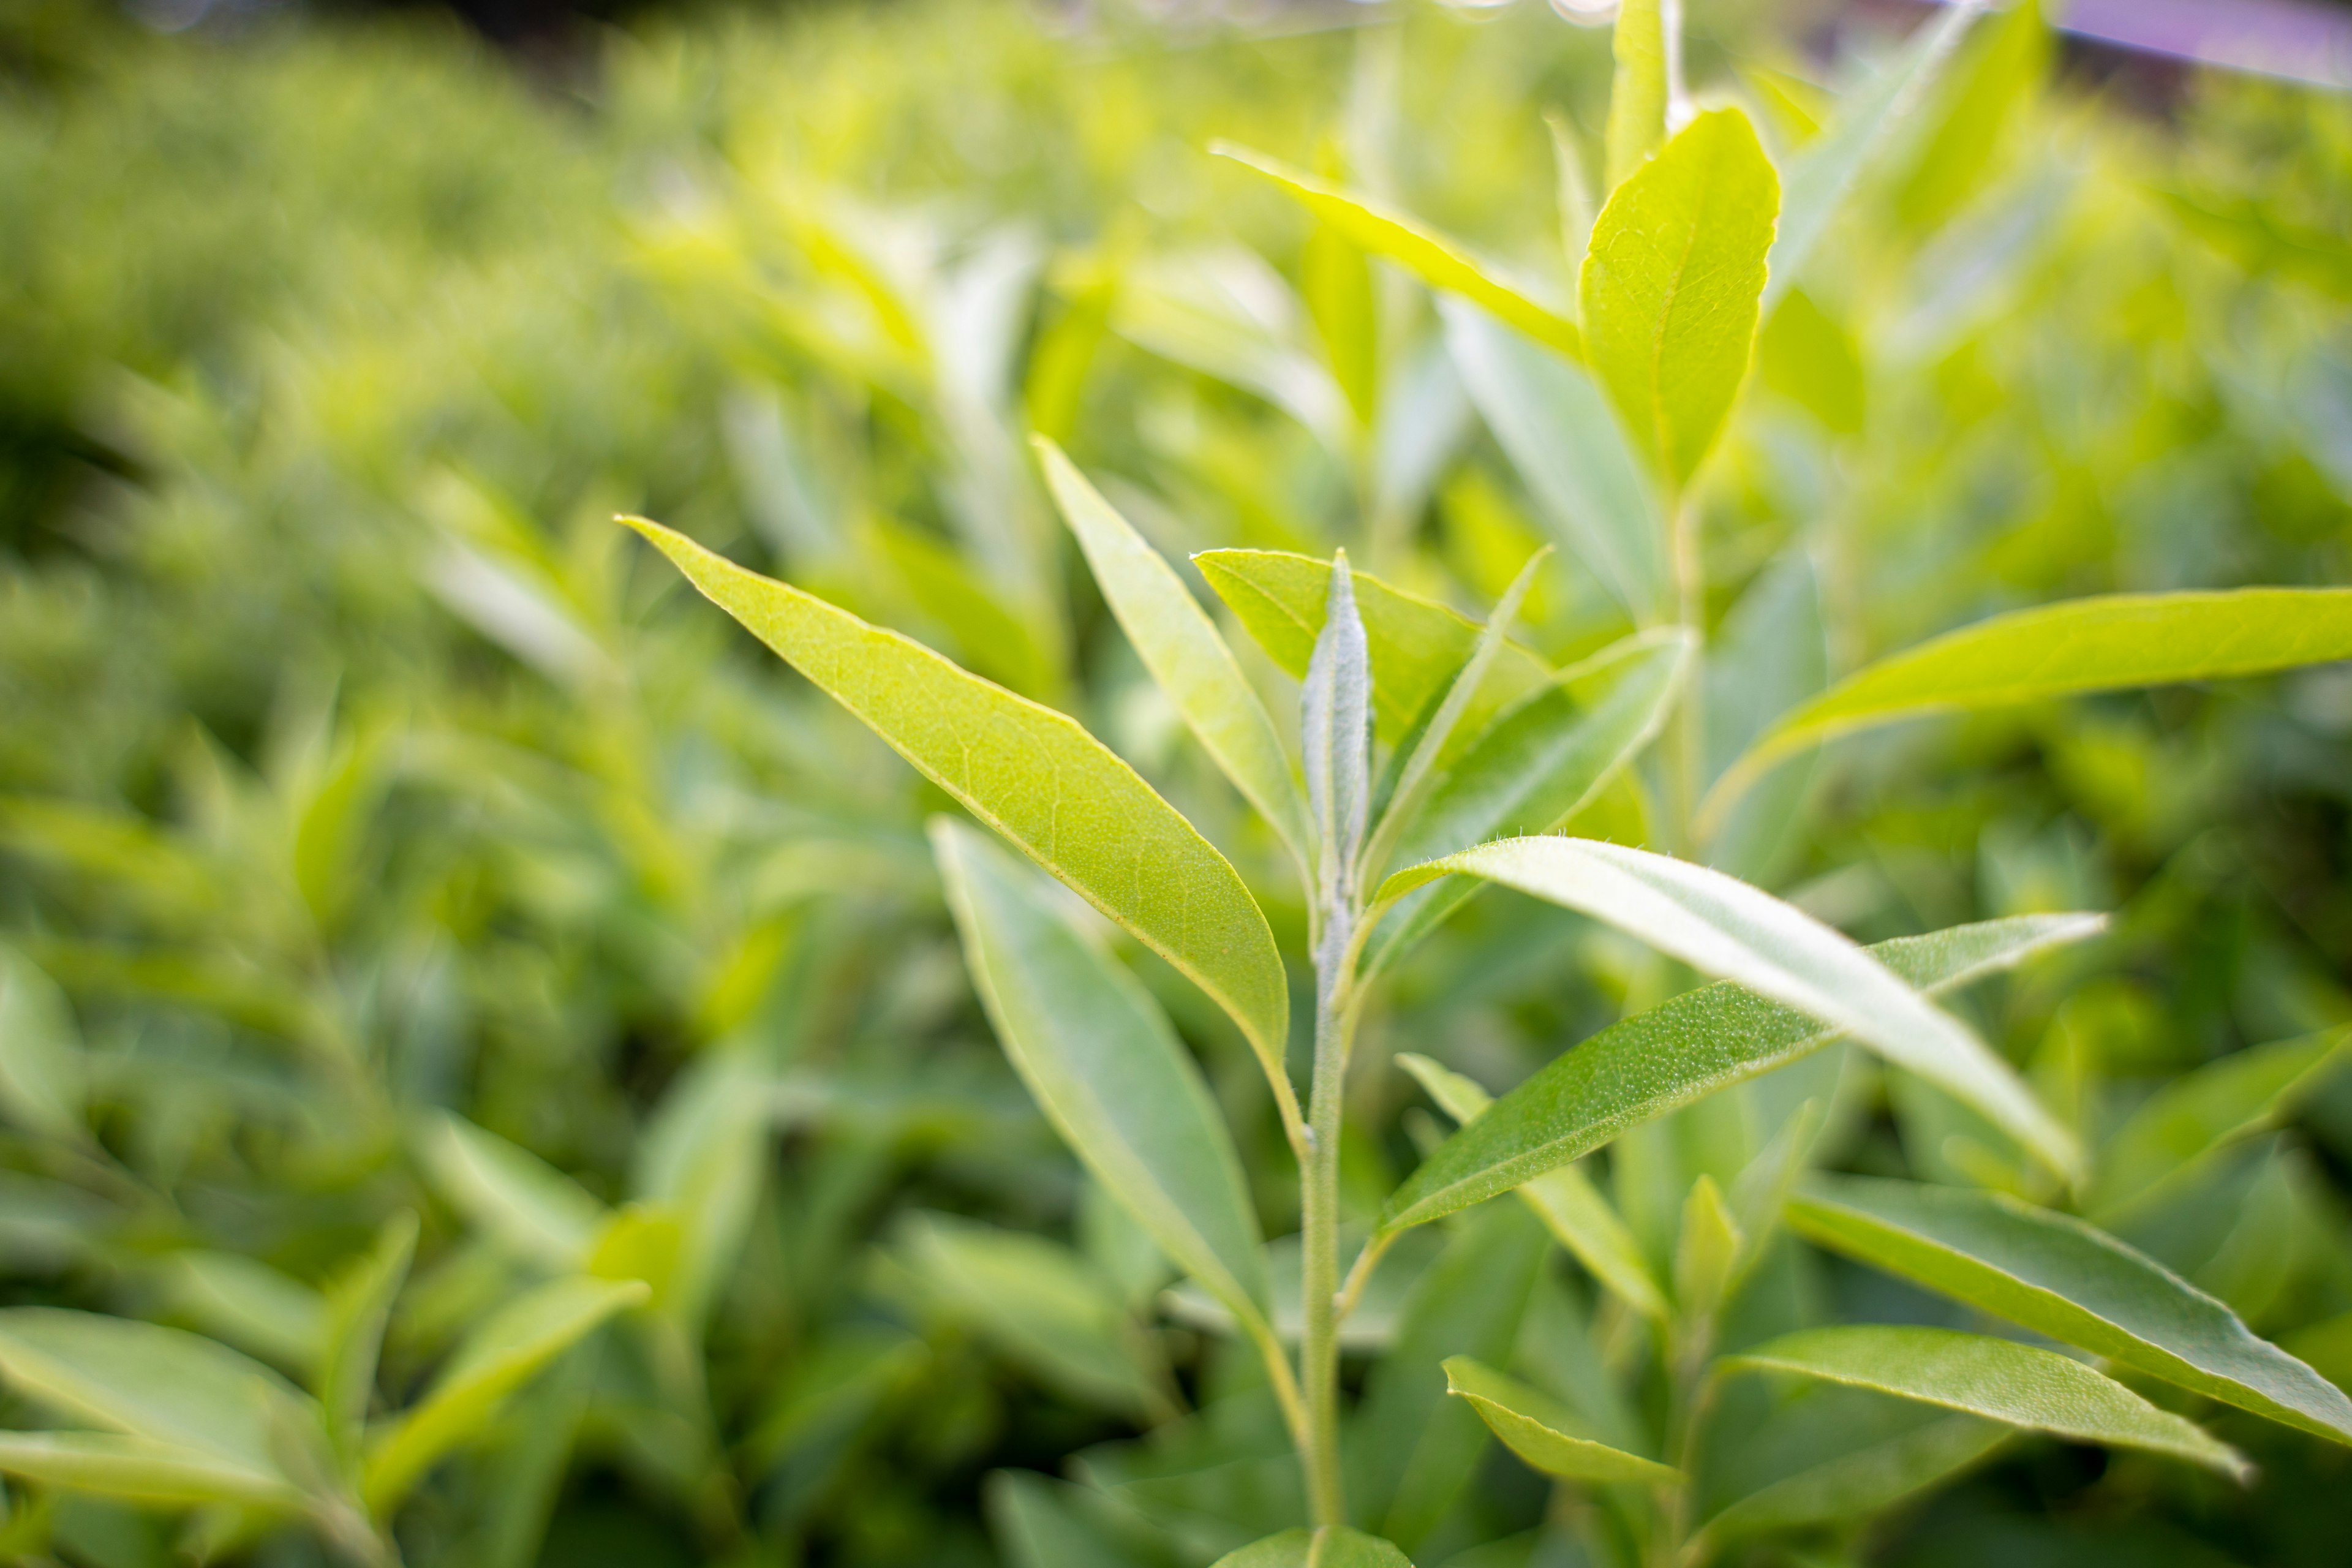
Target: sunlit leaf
pixel 1637 90
pixel 1098 1056
pixel 357 1304
pixel 529 1205
pixel 1034 776
pixel 1538 1429
pixel 1724 927
pixel 1670 289
pixel 248 1303
pixel 2054 1274
pixel 141 1469
pixel 1676 1053
pixel 2002 1380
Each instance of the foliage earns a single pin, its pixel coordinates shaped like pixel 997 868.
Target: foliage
pixel 494 1070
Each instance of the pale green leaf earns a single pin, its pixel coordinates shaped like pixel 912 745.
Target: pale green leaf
pixel 142 1471
pixel 1536 1429
pixel 1416 644
pixel 1335 280
pixel 2054 1274
pixel 994 636
pixel 1439 262
pixel 1098 1056
pixel 2199 1112
pixel 357 1305
pixel 1637 89
pixel 532 1207
pixel 248 1303
pixel 1035 776
pixel 1328 1548
pixel 41 1076
pixel 1571 1207
pixel 1670 289
pixel 2065 649
pixel 1819 180
pixel 1678 1052
pixel 2022 1386
pixel 1724 927
pixel 500 1355
pixel 1704 1251
pixel 1591 490
pixel 1182 649
pixel 1335 727
pixel 1572 189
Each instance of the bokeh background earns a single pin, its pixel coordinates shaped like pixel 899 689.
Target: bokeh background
pixel 355 770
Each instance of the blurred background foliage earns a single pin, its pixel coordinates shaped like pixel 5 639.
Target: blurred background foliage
pixel 377 837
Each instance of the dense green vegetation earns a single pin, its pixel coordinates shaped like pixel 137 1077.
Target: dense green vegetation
pixel 490 1071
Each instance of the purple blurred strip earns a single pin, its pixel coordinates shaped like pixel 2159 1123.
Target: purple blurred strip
pixel 2285 39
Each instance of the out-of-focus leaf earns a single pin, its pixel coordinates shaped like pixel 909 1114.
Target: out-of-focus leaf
pixel 357 1304
pixel 702 1158
pixel 2054 1274
pixel 1436 260
pixel 1226 314
pixel 1810 360
pixel 1034 776
pixel 2199 1112
pixel 1417 645
pixel 1533 1426
pixel 994 637
pixel 249 1304
pixel 1182 649
pixel 1722 926
pixel 1708 1246
pixel 1571 189
pixel 1839 1453
pixel 1046 1523
pixel 1554 421
pixel 1336 282
pixel 1818 180
pixel 499 1357
pixel 1329 1548
pixel 1676 1053
pixel 141 1469
pixel 640 1241
pixel 1637 89
pixel 1572 1208
pixel 41 1072
pixel 2067 650
pixel 528 1203
pixel 1955 162
pixel 1670 289
pixel 1097 1054
pixel 2003 1380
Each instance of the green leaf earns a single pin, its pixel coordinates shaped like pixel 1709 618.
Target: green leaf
pixel 1637 89
pixel 1539 1429
pixel 1571 1207
pixel 1181 646
pixel 1670 289
pixel 994 637
pixel 41 1075
pixel 1571 189
pixel 1032 774
pixel 141 1469
pixel 1416 644
pixel 2066 649
pixel 1335 278
pixel 1819 179
pixel 2195 1114
pixel 357 1305
pixel 1571 452
pixel 1839 1453
pixel 2054 1274
pixel 157 1383
pixel 1709 1245
pixel 1439 262
pixel 1335 731
pixel 1328 1548
pixel 2003 1380
pixel 499 1357
pixel 532 1207
pixel 248 1303
pixel 1680 1051
pixel 1097 1054
pixel 1724 927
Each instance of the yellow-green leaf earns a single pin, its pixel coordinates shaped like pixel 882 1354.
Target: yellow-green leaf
pixel 1035 776
pixel 1637 89
pixel 1670 288
pixel 1539 1430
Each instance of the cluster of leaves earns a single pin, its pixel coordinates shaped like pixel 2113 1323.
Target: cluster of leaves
pixel 487 1070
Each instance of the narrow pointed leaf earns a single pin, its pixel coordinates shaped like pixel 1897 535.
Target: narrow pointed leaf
pixel 1572 1208
pixel 1099 1057
pixel 1336 734
pixel 1637 89
pixel 1671 286
pixel 357 1304
pixel 536 1210
pixel 1829 1458
pixel 1538 1429
pixel 141 1469
pixel 1415 644
pixel 2054 1274
pixel 1680 1051
pixel 2066 649
pixel 1819 179
pixel 2175 1128
pixel 1182 649
pixel 500 1356
pixel 1330 1548
pixel 1571 451
pixel 2002 1380
pixel 1439 262
pixel 41 1069
pixel 1724 927
pixel 1704 1251
pixel 1032 774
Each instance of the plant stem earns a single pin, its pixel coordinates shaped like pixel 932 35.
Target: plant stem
pixel 1319 1346
pixel 1688 765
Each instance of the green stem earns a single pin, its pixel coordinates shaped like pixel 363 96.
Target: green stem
pixel 1688 763
pixel 1318 1348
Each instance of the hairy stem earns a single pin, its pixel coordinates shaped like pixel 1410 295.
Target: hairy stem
pixel 1318 1347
